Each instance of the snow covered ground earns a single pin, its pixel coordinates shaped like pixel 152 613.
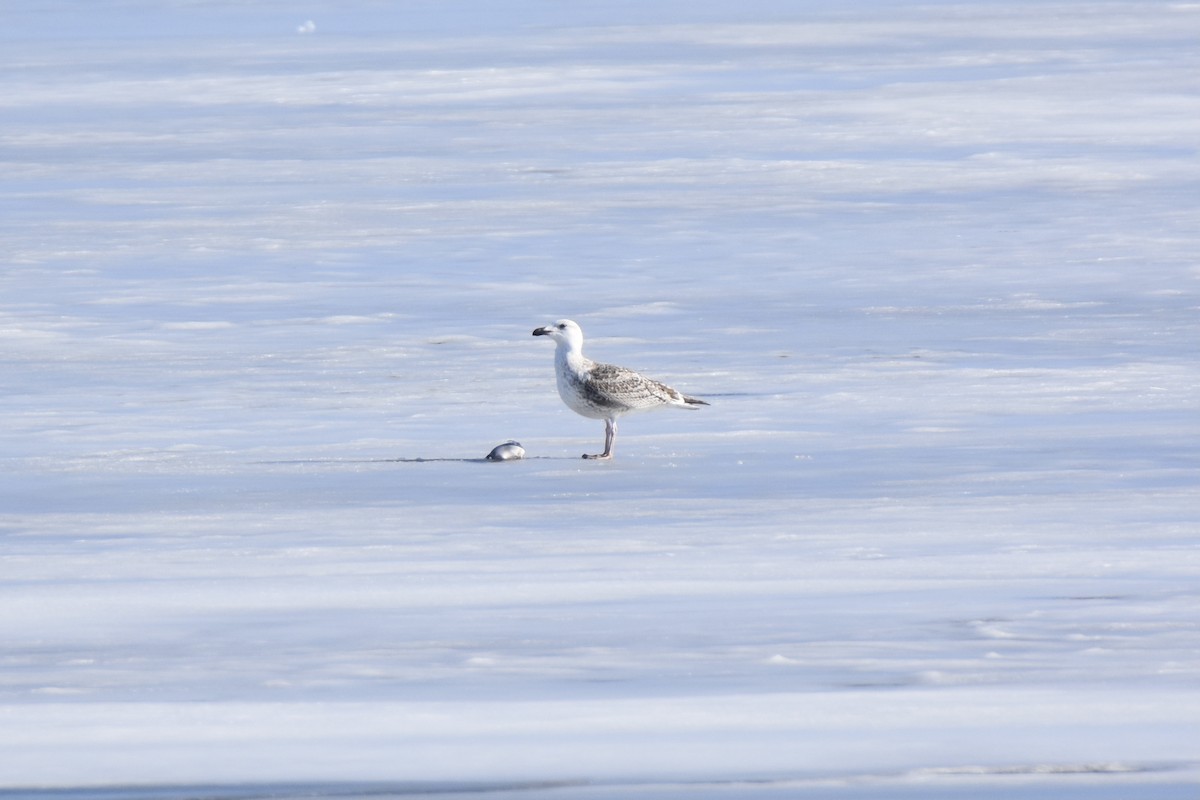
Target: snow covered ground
pixel 269 273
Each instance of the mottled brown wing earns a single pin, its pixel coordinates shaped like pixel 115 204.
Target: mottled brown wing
pixel 611 386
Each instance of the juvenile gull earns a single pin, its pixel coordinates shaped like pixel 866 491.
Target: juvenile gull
pixel 604 391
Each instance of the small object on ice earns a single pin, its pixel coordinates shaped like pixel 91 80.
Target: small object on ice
pixel 604 391
pixel 509 451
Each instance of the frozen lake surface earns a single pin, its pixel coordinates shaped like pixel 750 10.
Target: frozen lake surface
pixel 269 276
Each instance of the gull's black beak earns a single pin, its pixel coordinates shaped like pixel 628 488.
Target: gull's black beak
pixel 541 331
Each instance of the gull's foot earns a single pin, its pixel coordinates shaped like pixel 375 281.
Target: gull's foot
pixel 598 456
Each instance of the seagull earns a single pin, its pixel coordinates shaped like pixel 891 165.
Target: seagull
pixel 604 391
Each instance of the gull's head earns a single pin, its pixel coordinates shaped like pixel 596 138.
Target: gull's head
pixel 564 332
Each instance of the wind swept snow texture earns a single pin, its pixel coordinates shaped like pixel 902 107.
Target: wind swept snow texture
pixel 265 301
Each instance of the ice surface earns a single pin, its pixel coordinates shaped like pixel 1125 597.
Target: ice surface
pixel 265 304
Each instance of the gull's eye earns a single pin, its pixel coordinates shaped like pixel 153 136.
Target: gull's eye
pixel 562 327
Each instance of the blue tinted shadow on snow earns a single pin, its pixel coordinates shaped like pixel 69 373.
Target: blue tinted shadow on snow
pixel 1080 782
pixel 414 460
pixel 349 790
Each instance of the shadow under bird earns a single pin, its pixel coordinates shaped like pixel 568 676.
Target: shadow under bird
pixel 604 391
